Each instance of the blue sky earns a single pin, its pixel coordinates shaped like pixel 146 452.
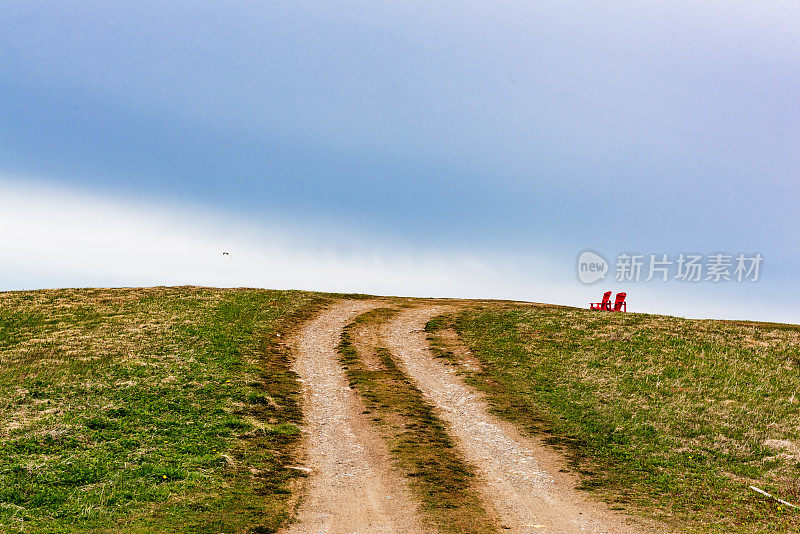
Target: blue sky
pixel 480 146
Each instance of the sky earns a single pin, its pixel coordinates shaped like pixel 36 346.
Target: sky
pixel 463 149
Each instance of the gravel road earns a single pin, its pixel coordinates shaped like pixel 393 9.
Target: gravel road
pixel 521 476
pixel 351 487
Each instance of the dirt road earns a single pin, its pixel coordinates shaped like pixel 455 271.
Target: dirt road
pixel 352 487
pixel 522 478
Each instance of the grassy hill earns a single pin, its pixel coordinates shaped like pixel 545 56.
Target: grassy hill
pixel 175 410
pixel 672 416
pixel 147 410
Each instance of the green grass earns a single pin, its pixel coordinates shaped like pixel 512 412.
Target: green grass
pixel 418 440
pixel 175 410
pixel 659 415
pixel 147 410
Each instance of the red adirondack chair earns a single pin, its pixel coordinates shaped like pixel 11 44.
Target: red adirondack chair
pixel 619 303
pixel 604 305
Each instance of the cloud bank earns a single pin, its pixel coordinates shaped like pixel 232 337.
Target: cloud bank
pixel 75 239
pixel 55 237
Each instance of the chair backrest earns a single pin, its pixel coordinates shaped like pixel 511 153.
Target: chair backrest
pixel 606 297
pixel 619 300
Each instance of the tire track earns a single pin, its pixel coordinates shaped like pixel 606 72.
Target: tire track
pixel 521 476
pixel 352 488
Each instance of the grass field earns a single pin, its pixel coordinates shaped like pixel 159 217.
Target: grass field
pixel 147 410
pixel 668 416
pixel 175 410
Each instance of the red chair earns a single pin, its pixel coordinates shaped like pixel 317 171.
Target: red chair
pixel 604 305
pixel 619 303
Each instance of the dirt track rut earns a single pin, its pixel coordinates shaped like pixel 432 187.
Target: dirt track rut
pixel 352 487
pixel 521 476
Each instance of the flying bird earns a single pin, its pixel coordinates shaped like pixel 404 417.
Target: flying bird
pixel 225 254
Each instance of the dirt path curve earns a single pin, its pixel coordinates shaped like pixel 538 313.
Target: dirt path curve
pixel 521 475
pixel 351 488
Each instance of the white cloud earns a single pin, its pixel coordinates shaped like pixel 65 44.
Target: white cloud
pixel 85 240
pixel 53 237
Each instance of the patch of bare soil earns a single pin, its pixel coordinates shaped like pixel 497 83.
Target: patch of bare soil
pixel 450 342
pixel 351 486
pixel 522 477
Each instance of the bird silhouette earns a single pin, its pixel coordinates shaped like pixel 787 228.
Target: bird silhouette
pixel 225 254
